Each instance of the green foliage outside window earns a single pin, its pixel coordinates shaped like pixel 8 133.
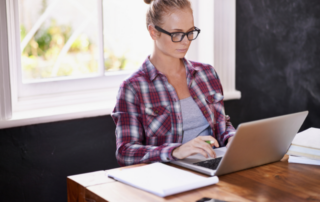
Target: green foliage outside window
pixel 42 51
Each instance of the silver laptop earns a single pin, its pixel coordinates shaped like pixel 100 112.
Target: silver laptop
pixel 254 144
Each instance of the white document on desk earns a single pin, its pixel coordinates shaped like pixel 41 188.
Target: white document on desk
pixel 162 180
pixel 303 160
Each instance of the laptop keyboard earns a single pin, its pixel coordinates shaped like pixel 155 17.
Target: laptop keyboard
pixel 211 164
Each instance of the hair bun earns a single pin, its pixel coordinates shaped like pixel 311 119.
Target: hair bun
pixel 148 1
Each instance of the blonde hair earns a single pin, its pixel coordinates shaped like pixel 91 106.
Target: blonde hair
pixel 158 8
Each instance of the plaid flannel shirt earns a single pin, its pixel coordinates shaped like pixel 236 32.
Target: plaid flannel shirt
pixel 148 116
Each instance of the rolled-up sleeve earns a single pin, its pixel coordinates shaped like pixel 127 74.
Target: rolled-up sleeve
pixel 130 134
pixel 229 129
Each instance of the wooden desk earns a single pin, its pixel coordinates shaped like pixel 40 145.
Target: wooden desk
pixel 278 181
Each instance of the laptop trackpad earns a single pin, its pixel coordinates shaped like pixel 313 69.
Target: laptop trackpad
pixel 220 151
pixel 198 157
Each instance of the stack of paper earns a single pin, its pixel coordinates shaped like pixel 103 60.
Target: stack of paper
pixel 161 179
pixel 305 144
pixel 303 160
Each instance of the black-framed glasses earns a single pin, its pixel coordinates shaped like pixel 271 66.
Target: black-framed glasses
pixel 178 36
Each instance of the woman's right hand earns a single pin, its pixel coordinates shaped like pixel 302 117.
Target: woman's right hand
pixel 196 146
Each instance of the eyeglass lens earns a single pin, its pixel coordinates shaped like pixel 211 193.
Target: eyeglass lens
pixel 191 36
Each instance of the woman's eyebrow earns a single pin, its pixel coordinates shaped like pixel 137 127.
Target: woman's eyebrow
pixel 182 30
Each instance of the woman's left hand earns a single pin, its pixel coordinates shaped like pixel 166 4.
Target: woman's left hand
pixel 229 141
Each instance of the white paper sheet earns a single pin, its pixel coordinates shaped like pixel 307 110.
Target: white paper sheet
pixel 162 180
pixel 303 160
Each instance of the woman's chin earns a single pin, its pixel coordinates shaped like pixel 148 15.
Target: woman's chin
pixel 180 54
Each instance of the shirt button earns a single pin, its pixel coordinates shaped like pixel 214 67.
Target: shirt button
pixel 156 112
pixel 204 112
pixel 195 97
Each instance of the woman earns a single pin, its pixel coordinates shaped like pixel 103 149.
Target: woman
pixel 169 107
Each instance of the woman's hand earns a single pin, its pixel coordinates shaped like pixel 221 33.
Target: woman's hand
pixel 229 141
pixel 196 146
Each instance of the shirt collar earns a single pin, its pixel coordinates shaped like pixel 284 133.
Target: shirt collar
pixel 152 72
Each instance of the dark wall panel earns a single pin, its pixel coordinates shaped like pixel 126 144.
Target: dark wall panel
pixel 277 60
pixel 36 159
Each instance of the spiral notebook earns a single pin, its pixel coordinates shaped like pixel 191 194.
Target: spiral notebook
pixel 160 179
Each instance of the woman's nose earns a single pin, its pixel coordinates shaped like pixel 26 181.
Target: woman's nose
pixel 185 40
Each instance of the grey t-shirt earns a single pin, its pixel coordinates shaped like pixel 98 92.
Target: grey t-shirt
pixel 194 123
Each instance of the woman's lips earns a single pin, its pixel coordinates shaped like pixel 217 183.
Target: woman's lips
pixel 182 50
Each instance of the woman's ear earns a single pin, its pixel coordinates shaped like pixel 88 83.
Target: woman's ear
pixel 153 32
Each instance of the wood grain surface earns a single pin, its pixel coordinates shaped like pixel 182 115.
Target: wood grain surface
pixel 279 181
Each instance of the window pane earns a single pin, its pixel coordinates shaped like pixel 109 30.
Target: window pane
pixel 127 42
pixel 58 38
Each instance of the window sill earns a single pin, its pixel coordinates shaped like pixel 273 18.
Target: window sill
pixel 61 113
pixel 232 95
pixel 74 111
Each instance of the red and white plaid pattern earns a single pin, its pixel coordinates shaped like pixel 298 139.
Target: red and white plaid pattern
pixel 148 116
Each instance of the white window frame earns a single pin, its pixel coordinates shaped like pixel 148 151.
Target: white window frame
pixel 99 97
pixel 68 98
pixel 217 21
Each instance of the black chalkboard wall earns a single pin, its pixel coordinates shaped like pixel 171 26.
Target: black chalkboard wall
pixel 278 72
pixel 277 60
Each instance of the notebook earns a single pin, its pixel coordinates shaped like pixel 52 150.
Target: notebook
pixel 161 179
